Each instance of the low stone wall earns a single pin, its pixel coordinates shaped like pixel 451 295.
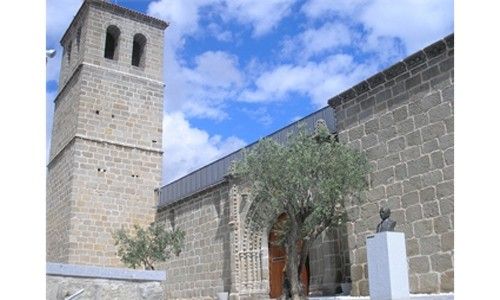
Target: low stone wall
pixel 442 296
pixel 65 280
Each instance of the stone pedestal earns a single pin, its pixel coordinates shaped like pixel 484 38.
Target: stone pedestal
pixel 387 266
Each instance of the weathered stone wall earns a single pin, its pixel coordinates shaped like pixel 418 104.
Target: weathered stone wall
pixel 99 283
pixel 74 44
pixel 106 153
pixel 203 267
pixel 329 262
pixel 65 123
pixel 59 287
pixel 123 109
pixel 102 16
pixel 113 188
pixel 92 20
pixel 402 118
pixel 58 208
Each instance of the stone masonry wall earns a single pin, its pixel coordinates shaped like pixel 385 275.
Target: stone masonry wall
pixel 402 118
pixel 100 17
pixel 58 208
pixel 116 163
pixel 203 267
pixel 65 122
pixel 329 262
pixel 106 153
pixel 113 188
pixel 117 108
pixel 93 20
pixel 59 287
pixel 74 47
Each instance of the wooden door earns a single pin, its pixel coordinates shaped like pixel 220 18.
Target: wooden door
pixel 277 261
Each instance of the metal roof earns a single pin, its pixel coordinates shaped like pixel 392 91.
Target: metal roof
pixel 215 172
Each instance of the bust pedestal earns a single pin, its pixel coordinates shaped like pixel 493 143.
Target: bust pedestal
pixel 387 266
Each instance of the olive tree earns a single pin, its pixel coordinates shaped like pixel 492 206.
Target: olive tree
pixel 309 178
pixel 145 247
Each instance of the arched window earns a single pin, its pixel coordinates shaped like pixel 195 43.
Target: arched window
pixel 138 50
pixel 111 46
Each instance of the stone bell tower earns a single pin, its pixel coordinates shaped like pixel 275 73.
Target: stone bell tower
pixel 105 156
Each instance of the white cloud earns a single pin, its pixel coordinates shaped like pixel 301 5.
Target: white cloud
pixel 315 41
pixel 202 91
pixel 183 17
pixel 59 16
pixel 262 15
pixel 386 50
pixel 416 22
pixel 204 85
pixel 260 114
pixel 319 81
pixel 217 69
pixel 187 148
pixel 321 8
pixel 220 34
pixel 328 36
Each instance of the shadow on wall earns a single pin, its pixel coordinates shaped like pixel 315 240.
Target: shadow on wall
pixel 330 263
pixel 222 235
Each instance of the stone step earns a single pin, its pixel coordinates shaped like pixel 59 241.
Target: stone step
pixel 448 296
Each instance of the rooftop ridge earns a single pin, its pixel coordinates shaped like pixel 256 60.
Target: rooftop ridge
pixel 409 63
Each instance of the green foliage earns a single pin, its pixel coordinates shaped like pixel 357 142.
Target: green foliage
pixel 147 246
pixel 310 178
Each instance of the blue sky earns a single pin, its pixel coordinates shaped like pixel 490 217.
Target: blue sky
pixel 238 70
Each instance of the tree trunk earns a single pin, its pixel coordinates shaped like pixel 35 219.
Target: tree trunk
pixel 292 268
pixel 293 275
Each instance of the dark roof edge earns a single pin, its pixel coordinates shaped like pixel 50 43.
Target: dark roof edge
pixel 117 9
pixel 162 206
pixel 407 64
pixel 246 146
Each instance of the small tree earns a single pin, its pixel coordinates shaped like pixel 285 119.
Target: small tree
pixel 147 246
pixel 309 178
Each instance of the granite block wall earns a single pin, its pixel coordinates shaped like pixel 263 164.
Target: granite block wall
pixel 58 209
pixel 122 109
pixel 84 40
pixel 203 267
pixel 402 118
pixel 113 187
pixel 105 160
pixel 329 262
pixel 60 287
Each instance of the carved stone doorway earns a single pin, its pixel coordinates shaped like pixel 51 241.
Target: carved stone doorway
pixel 277 261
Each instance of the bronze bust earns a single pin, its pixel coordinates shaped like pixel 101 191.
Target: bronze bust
pixel 387 224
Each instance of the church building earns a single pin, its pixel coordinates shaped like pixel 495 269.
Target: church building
pixel 104 169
